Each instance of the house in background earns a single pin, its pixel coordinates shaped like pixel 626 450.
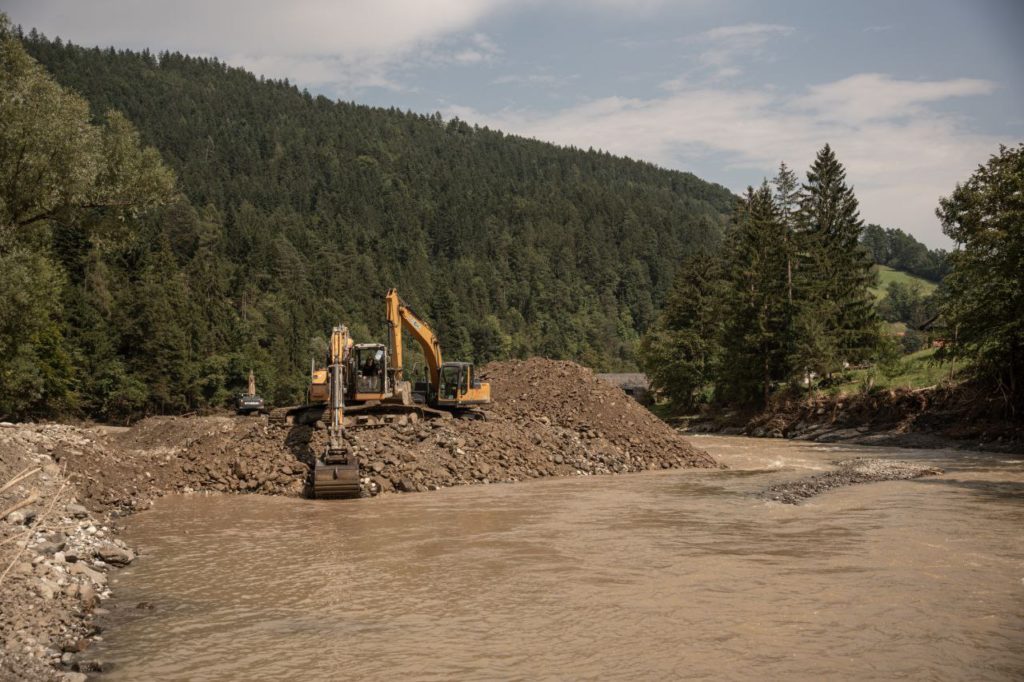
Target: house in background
pixel 635 384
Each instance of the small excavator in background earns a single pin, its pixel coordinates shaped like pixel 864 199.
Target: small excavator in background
pixel 249 403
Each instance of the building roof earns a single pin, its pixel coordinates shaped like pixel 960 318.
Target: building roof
pixel 626 380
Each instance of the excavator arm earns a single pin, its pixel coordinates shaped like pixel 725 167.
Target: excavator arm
pixel 336 471
pixel 400 316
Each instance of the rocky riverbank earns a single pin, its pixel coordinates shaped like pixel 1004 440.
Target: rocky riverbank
pixel 847 472
pixel 71 484
pixel 55 555
pixel 960 417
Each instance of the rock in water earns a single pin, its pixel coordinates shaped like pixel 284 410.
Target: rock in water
pixel 114 555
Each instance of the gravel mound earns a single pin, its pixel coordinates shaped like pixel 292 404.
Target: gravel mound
pixel 848 472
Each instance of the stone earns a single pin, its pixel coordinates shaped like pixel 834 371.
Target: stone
pixel 95 576
pixel 46 589
pixel 73 677
pixel 16 518
pixel 114 555
pixel 49 547
pixel 377 466
pixel 91 665
pixel 87 595
pixel 405 485
pixel 559 458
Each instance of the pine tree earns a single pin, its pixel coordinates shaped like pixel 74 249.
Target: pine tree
pixel 680 353
pixel 787 200
pixel 835 272
pixel 756 332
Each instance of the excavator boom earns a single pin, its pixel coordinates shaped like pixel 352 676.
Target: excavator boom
pixel 336 471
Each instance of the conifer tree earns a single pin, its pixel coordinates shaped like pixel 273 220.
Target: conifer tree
pixel 787 199
pixel 680 353
pixel 835 272
pixel 755 338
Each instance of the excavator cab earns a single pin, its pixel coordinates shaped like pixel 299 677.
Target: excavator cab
pixel 369 369
pixel 459 386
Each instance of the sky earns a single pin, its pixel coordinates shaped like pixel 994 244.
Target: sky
pixel 912 95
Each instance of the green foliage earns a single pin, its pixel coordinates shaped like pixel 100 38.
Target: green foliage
pixel 835 273
pixel 67 188
pixel 887 275
pixel 35 368
pixel 759 312
pixel 324 205
pixel 983 308
pixel 680 353
pixel 907 303
pixel 920 369
pixel 53 162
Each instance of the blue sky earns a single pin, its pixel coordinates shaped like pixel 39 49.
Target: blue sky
pixel 913 95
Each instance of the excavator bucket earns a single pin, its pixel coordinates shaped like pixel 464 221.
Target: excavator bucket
pixel 336 475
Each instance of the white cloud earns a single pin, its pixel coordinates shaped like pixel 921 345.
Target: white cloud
pixel 751 33
pixel 542 79
pixel 900 160
pixel 874 96
pixel 721 48
pixel 345 43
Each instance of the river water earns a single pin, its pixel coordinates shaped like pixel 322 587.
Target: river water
pixel 661 575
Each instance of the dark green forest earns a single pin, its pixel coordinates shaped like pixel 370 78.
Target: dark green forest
pixel 290 213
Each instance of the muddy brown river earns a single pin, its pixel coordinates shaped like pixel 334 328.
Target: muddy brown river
pixel 667 575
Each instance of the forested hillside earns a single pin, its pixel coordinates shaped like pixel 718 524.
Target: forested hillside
pixel 299 212
pixel 900 251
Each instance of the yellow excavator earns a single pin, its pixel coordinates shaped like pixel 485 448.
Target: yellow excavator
pixel 451 386
pixel 336 470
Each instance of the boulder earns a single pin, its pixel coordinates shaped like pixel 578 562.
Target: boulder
pixel 114 555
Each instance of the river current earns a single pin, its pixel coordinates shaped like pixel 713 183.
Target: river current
pixel 661 575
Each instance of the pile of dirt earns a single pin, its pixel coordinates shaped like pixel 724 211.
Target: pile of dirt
pixel 548 419
pixel 573 398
